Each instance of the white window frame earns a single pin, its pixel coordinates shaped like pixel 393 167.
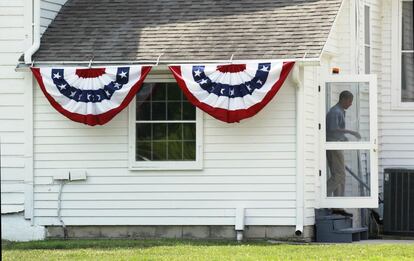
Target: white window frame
pixel 365 44
pixel 396 51
pixel 162 77
pixel 371 145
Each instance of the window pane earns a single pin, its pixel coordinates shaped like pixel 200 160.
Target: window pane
pixel 348 173
pixel 175 131
pixel 189 111
pixel 159 150
pixel 143 151
pixel 175 150
pixel 407 25
pixel 159 131
pixel 367 25
pixel 189 150
pixel 159 111
pixel 174 92
pixel 407 77
pixel 144 94
pixel 143 111
pixel 189 131
pixel 157 141
pixel 159 92
pixel 143 131
pixel 174 111
pixel 347 118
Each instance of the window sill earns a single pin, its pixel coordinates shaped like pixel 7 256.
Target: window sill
pixel 166 165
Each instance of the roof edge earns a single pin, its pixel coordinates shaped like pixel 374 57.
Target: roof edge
pixel 21 66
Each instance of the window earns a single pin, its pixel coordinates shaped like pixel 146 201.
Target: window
pixel 407 53
pixel 165 129
pixel 367 39
pixel 402 54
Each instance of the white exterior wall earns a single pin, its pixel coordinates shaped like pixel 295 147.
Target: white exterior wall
pixel 12 109
pixel 48 11
pixel 249 165
pixel 15 38
pixel 311 164
pixel 338 50
pixel 396 126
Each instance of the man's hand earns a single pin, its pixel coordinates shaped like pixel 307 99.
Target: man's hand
pixel 356 134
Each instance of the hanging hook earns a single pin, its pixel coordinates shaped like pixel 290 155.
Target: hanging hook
pixel 231 58
pixel 158 59
pixel 90 62
pixel 304 56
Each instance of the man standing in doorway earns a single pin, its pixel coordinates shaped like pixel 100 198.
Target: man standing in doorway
pixel 335 131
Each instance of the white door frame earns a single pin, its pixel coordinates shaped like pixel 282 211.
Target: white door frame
pixel 371 145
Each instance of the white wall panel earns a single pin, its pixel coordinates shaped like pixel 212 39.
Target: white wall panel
pixel 11 106
pixel 396 127
pixel 48 11
pixel 249 164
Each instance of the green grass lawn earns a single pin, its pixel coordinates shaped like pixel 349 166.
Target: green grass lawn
pixel 197 250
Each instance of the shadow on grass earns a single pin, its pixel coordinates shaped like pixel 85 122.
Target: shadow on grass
pixel 119 243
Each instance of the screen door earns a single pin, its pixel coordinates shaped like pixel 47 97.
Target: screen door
pixel 349 160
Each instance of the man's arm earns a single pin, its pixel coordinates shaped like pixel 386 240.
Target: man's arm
pixel 345 131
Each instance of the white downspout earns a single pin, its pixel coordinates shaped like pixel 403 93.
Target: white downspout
pixel 36 33
pixel 297 76
pixel 32 28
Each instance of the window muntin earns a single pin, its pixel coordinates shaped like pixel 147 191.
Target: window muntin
pixel 407 52
pixel 165 124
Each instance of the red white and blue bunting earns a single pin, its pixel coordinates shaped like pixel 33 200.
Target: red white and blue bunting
pixel 91 96
pixel 231 92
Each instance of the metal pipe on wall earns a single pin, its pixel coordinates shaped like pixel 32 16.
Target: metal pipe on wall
pixel 36 32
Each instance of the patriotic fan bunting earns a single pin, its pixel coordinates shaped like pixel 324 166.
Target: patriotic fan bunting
pixel 90 96
pixel 231 92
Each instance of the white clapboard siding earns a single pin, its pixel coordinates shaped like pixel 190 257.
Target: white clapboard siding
pixel 311 143
pixel 338 45
pixel 12 97
pixel 249 164
pixel 166 220
pixel 396 127
pixel 12 135
pixel 91 205
pixel 285 174
pixel 112 188
pixel 48 11
pixel 259 212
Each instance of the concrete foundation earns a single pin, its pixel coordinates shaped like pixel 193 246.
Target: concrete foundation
pixel 286 233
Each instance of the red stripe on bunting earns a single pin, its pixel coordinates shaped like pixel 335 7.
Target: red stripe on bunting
pixel 90 72
pixel 91 119
pixel 236 115
pixel 231 68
